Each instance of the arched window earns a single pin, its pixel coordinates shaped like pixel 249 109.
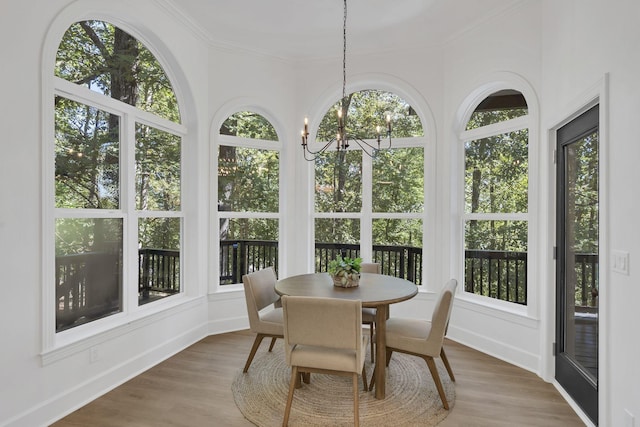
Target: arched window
pixel 496 203
pixel 117 183
pixel 248 195
pixel 372 207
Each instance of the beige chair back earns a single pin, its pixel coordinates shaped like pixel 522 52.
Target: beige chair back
pixel 259 292
pixel 441 314
pixel 370 267
pixel 322 322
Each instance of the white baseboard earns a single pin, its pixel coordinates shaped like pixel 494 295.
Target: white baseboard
pixel 59 406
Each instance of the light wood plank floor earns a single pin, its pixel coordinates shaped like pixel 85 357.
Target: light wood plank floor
pixel 193 388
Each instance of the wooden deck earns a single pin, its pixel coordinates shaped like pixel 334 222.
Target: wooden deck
pixel 193 388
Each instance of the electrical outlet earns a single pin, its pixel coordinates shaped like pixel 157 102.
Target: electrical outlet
pixel 94 354
pixel 620 262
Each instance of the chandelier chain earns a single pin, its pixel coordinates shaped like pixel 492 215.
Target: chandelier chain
pixel 344 53
pixel 342 138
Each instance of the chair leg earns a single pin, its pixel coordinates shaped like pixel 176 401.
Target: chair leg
pixel 436 379
pixel 373 379
pixel 292 386
pixel 273 341
pixel 443 356
pixel 252 353
pixel 356 403
pixel 364 378
pixel 389 356
pixel 371 340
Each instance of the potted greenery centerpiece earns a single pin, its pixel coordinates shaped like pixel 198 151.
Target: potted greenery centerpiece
pixel 345 272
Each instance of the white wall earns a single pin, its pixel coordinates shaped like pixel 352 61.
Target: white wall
pixel 37 388
pixel 583 40
pixel 504 50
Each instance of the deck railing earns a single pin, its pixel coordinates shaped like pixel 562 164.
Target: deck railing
pixel 496 274
pixel 88 285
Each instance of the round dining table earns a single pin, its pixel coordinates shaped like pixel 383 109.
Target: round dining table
pixel 375 291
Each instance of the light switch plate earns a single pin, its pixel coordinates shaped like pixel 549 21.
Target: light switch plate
pixel 620 262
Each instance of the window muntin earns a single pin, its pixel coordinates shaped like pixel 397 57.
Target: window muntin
pixel 248 182
pixel 108 60
pixel 496 188
pixel 99 189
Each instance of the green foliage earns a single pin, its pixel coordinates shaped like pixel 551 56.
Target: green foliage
pixel 398 180
pixel 87 153
pixel 338 181
pixel 243 172
pixel 337 230
pixel 157 169
pixel 248 124
pixel 365 111
pixel 107 60
pixel 344 266
pixel 496 173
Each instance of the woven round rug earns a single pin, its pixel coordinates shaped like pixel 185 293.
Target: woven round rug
pixel 411 396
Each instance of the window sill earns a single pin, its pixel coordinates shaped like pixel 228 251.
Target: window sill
pixel 511 312
pixel 82 338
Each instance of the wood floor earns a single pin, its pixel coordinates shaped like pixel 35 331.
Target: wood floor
pixel 193 389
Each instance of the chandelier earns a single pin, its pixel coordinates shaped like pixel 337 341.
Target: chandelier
pixel 342 137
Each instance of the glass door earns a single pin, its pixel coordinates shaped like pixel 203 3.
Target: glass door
pixel 577 270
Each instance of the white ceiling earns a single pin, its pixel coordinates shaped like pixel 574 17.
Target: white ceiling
pixel 303 29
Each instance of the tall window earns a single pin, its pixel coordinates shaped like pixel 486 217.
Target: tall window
pixel 496 184
pixel 372 206
pixel 117 180
pixel 248 196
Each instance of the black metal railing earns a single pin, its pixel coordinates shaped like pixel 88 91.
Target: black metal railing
pixel 587 268
pixel 158 272
pixel 239 257
pixel 89 285
pixel 398 261
pixel 496 274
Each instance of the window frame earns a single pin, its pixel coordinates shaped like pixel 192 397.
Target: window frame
pixel 526 122
pixel 217 215
pixel 366 214
pixel 57 344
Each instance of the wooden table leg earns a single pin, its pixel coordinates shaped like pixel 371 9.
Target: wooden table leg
pixel 381 349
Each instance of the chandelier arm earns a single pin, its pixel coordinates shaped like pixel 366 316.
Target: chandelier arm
pixel 315 154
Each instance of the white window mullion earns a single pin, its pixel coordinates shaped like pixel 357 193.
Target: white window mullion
pixel 127 204
pixel 366 226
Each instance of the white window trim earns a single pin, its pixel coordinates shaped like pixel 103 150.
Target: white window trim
pixel 529 122
pixel 57 345
pixel 216 215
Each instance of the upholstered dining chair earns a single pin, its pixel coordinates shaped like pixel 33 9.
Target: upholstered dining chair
pixel 369 314
pixel 324 335
pixel 259 292
pixel 424 338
